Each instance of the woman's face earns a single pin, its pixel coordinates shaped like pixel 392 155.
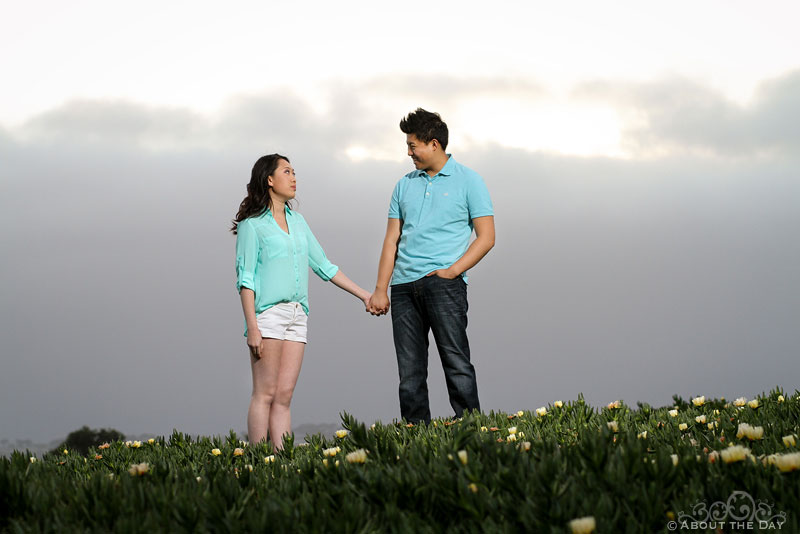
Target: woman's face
pixel 283 181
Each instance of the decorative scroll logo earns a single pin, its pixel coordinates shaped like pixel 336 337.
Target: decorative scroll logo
pixel 739 512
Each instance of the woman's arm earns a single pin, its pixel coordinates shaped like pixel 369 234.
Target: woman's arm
pixel 342 281
pixel 253 333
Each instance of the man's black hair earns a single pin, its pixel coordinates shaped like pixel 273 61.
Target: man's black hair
pixel 426 126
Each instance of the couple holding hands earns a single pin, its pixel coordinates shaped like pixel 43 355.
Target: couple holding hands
pixel 425 256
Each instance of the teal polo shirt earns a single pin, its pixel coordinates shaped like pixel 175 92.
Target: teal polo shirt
pixel 437 213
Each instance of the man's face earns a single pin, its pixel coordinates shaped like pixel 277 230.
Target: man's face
pixel 421 153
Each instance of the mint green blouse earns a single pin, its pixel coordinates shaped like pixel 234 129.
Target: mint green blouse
pixel 275 264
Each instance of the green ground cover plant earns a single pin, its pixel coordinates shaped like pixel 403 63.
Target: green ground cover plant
pixel 692 466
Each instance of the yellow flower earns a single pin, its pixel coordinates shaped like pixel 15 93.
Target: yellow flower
pixel 151 441
pixel 683 426
pixel 512 430
pixel 139 469
pixel 199 479
pixel 33 459
pixel 558 404
pixel 613 426
pixel 673 413
pixel 462 455
pixel 583 525
pixel 484 429
pixel 674 459
pixel 541 412
pixel 614 405
pixel 520 434
pixel 216 452
pixel 342 433
pixel 700 419
pixel 741 401
pixel 788 462
pixel 325 462
pixel 789 441
pixel 238 451
pixel 357 457
pixel 269 459
pixel 136 444
pixel 752 433
pixel 780 398
pixel 333 451
pixel 711 426
pixel 734 453
pixel 699 401
pixel 520 413
pixel 66 451
pixel 473 487
pixel 753 403
pixel 512 437
pixel 642 435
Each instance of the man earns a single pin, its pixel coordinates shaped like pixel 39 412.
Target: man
pixel 426 253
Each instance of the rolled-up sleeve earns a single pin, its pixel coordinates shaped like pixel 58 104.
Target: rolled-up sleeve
pixel 317 260
pixel 246 255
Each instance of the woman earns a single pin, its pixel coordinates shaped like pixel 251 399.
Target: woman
pixel 274 248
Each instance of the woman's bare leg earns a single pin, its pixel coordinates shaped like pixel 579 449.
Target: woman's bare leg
pixel 280 417
pixel 265 383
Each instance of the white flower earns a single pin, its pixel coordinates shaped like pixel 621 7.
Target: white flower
pixel 525 445
pixel 342 433
pixel 139 469
pixel 735 453
pixel 614 405
pixel 541 412
pixel 216 452
pixel 333 451
pixel 789 441
pixel 558 404
pixel 583 525
pixel 33 458
pixel 699 401
pixel 357 457
pixel 642 435
pixel 741 401
pixel 700 419
pixel 512 437
pixel 753 403
pixel 712 426
pixel 750 432
pixel 673 413
pixel 462 455
pixel 674 459
pixel 683 426
pixel 238 451
pixel 788 462
pixel 269 459
pixel 136 444
pixel 512 430
pixel 613 426
pixel 520 413
pixel 780 398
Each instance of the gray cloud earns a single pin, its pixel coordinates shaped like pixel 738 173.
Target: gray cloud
pixel 631 279
pixel 682 115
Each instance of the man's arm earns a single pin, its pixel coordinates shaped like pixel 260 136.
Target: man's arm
pixel 379 302
pixel 484 241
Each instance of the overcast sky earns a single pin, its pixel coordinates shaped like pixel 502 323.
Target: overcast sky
pixel 642 159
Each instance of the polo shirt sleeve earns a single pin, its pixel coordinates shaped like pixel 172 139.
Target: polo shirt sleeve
pixel 246 255
pixel 394 204
pixel 317 260
pixel 479 202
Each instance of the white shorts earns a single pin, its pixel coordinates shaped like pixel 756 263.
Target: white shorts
pixel 286 320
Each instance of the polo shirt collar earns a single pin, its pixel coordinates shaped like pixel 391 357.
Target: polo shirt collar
pixel 447 170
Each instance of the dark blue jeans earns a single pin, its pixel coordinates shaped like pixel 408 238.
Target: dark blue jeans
pixel 438 305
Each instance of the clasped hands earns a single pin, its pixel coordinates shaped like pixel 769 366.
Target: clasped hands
pixel 378 302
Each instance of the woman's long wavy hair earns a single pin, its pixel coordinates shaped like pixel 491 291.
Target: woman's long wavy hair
pixel 258 199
